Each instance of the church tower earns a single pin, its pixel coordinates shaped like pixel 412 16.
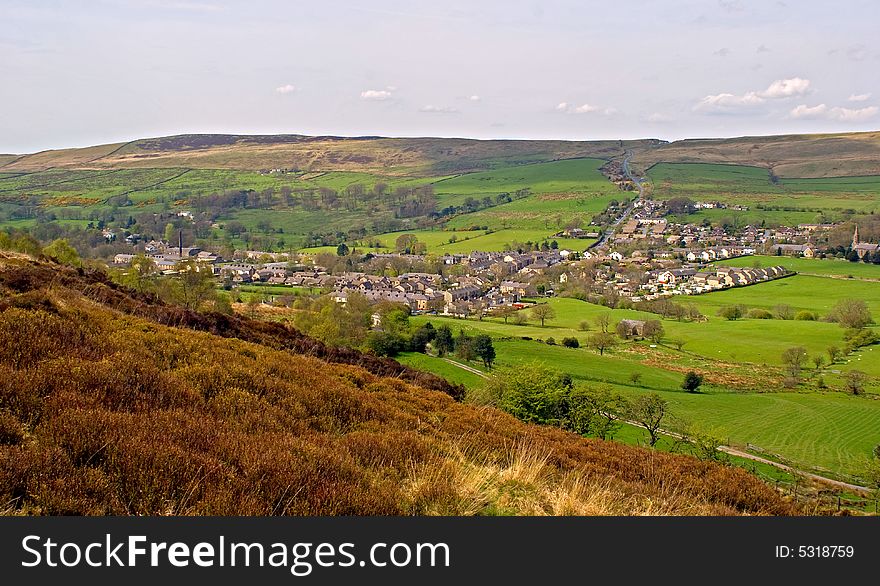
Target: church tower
pixel 856 237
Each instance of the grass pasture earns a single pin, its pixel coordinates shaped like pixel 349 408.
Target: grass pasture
pixel 798 200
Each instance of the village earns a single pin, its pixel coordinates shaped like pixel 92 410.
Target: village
pixel 647 257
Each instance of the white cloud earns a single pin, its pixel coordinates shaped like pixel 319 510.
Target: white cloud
pixel 804 111
pixel 474 98
pixel 582 109
pixel 376 95
pixel 779 89
pixel 851 115
pixel 658 118
pixel 786 88
pixel 285 89
pixel 836 113
pixel 431 109
pixel 858 97
pixel 762 49
pixel 722 52
pixel 728 102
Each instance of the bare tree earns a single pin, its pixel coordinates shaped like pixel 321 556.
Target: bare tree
pixel 543 312
pixel 603 320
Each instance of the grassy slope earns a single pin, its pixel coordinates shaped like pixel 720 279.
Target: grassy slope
pixel 817 155
pixel 105 413
pixel 394 156
pixel 729 353
pixel 751 186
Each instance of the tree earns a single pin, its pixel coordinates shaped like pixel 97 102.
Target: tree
pixel 678 343
pixel 62 252
pixel 192 285
pixel 680 205
pixel 818 360
pixel 533 393
pixel 543 312
pixel 405 242
pixel 443 341
pixel 833 353
pixel 851 313
pixel 783 311
pixel 342 249
pixel 732 312
pixel 140 274
pixel 649 411
pixel 421 337
pixel 584 326
pixel 854 380
pixel 483 348
pixel 464 347
pixel 601 341
pixel 653 330
pixel 384 343
pixel 570 342
pixel 691 382
pixel 596 411
pixel 519 318
pixel 505 312
pixel 794 359
pixel 635 377
pixel 602 322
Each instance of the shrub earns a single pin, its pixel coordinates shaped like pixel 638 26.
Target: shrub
pixel 805 315
pixel 551 341
pixel 757 313
pixel 570 342
pixel 732 312
pixel 691 382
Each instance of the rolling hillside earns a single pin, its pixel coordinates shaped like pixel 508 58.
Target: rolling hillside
pixel 819 155
pixel 807 155
pixel 114 403
pixel 392 156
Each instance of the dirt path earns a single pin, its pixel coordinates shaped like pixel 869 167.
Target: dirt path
pixel 470 369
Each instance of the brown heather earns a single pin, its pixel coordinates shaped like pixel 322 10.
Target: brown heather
pixel 106 410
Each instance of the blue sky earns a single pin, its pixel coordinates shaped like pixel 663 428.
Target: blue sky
pixel 77 73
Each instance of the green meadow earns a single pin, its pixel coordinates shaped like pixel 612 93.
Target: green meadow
pixel 822 430
pixel 798 200
pixel 827 267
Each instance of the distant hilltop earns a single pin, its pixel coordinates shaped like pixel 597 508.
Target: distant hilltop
pixel 813 155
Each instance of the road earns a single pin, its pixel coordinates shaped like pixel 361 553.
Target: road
pixel 725 449
pixel 608 233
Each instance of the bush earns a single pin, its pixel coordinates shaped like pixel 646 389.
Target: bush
pixel 551 341
pixel 757 313
pixel 691 382
pixel 732 312
pixel 805 315
pixel 570 342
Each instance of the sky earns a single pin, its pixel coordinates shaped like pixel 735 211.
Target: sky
pixel 79 73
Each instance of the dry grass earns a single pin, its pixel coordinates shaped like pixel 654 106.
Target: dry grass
pixel 102 412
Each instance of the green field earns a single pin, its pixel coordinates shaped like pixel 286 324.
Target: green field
pixel 440 367
pixel 827 431
pixel 830 267
pixel 786 201
pixel 752 341
pixel 808 292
